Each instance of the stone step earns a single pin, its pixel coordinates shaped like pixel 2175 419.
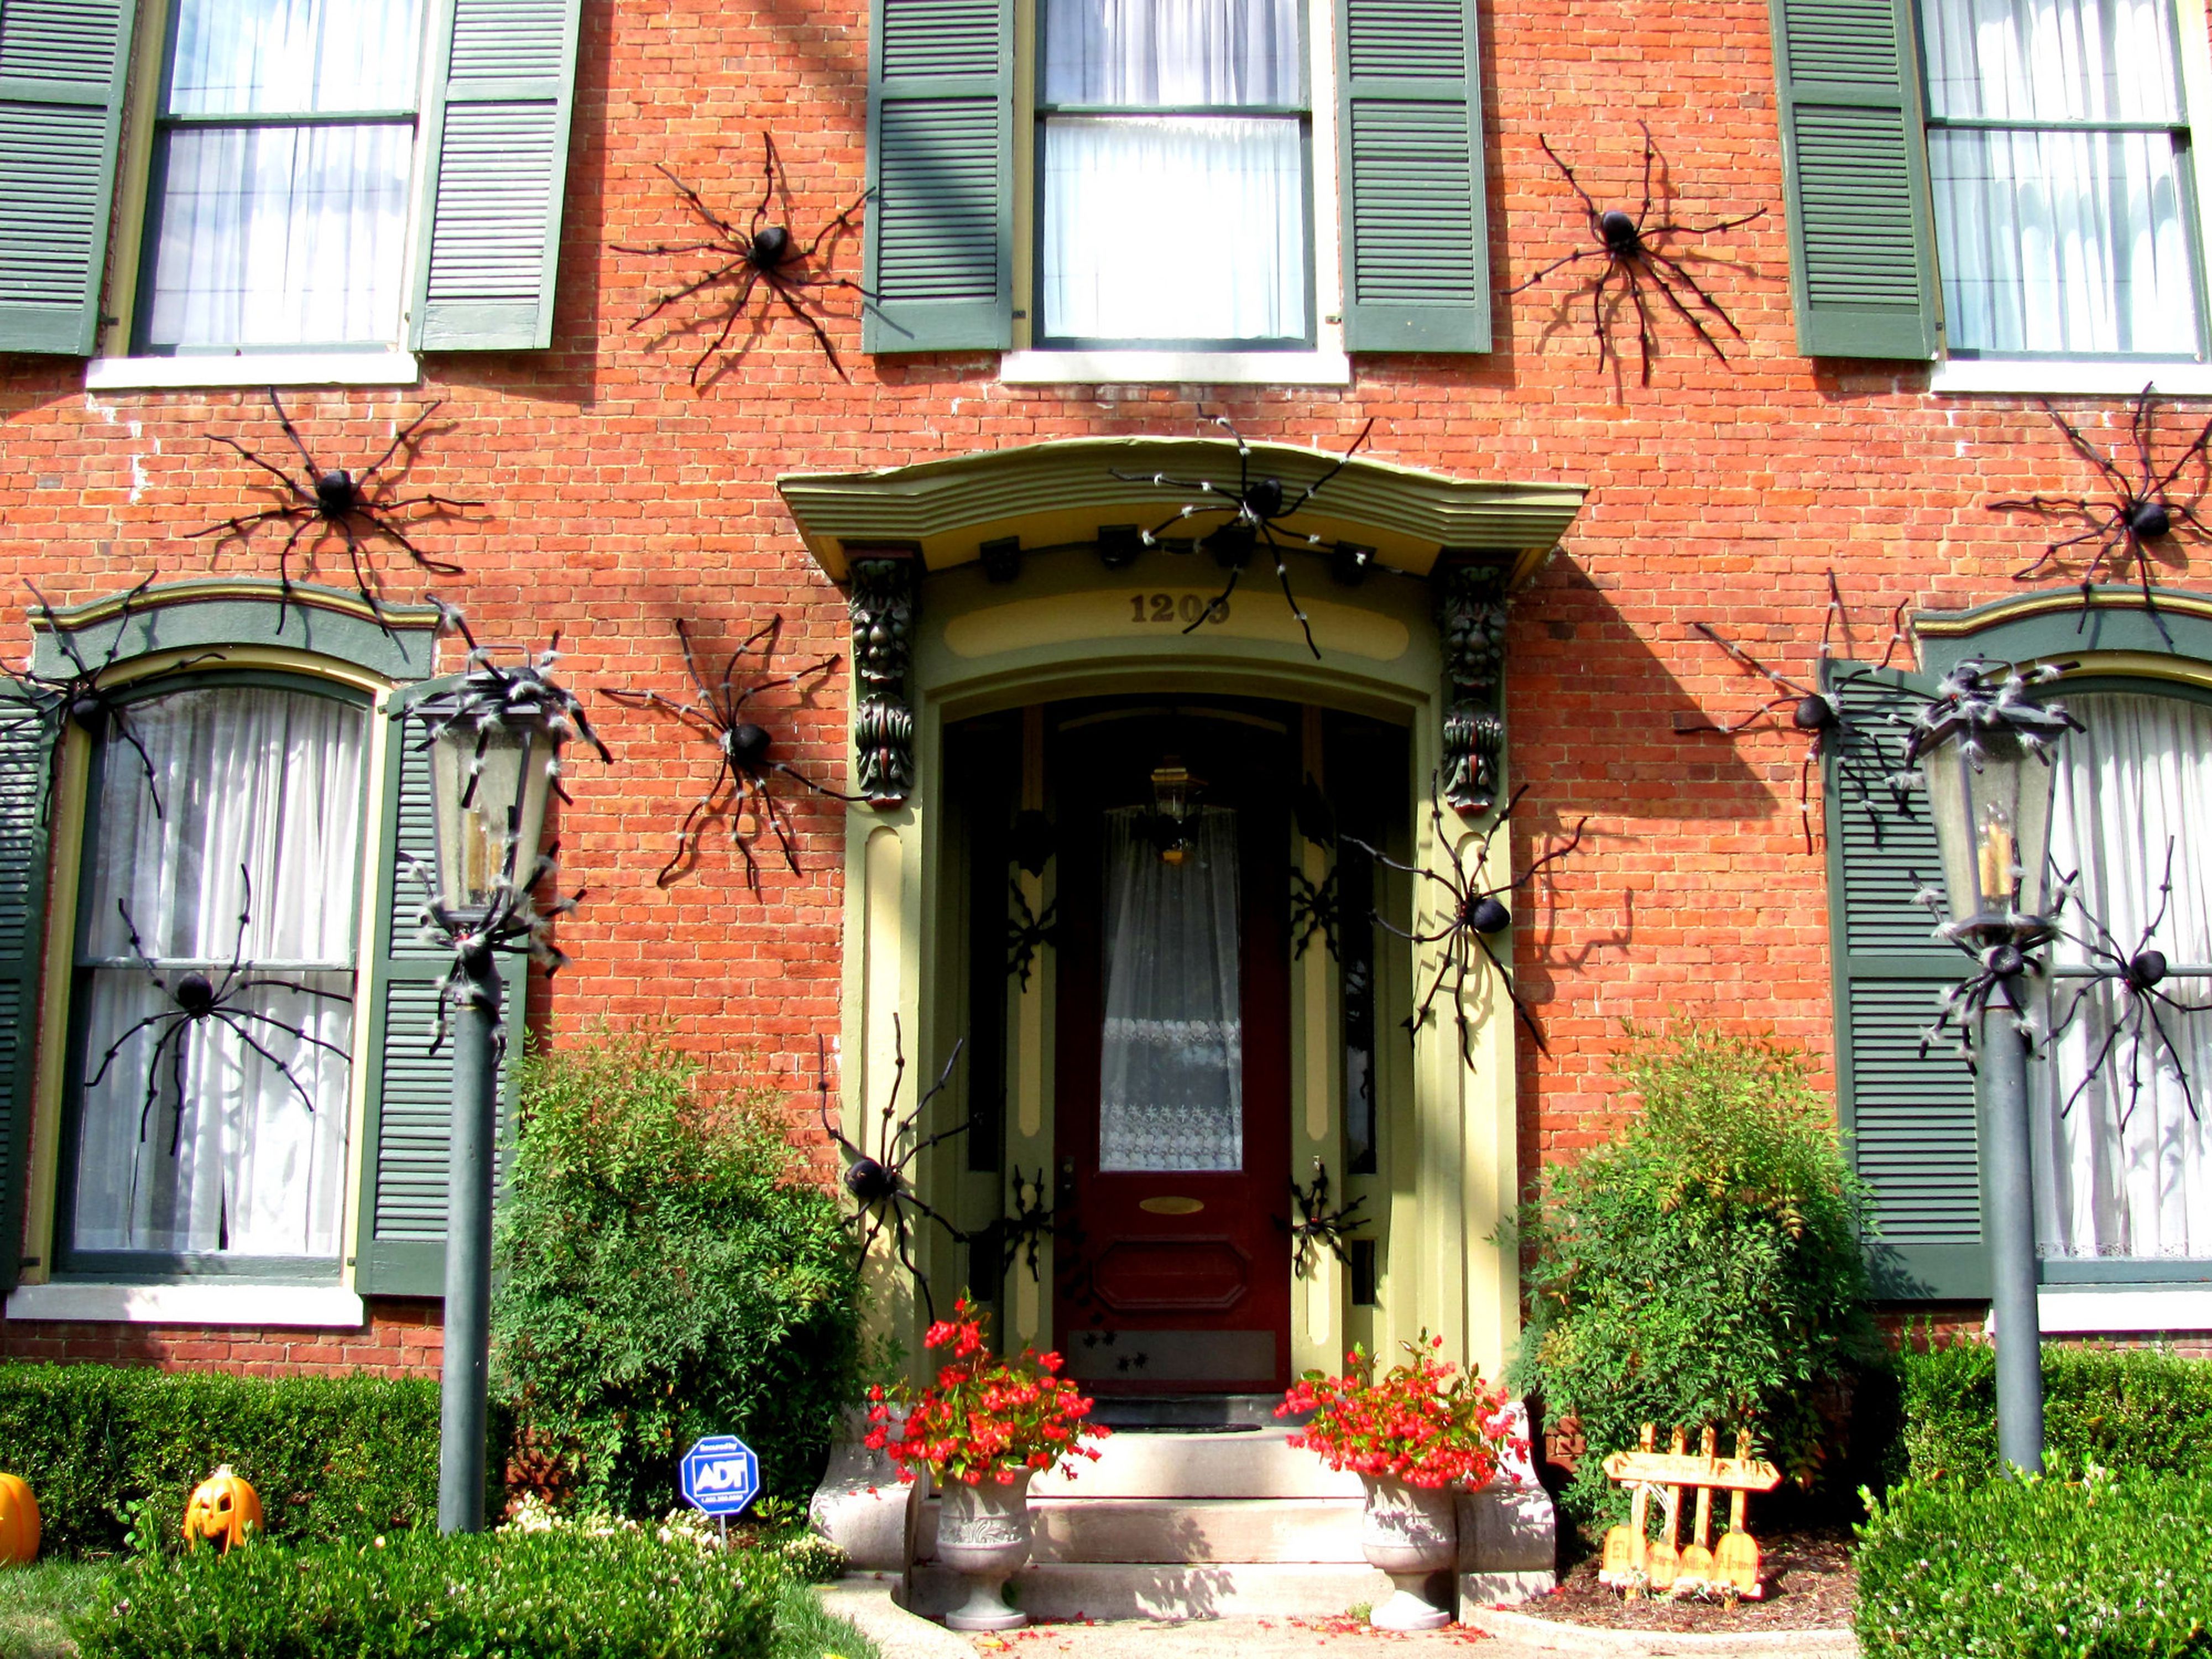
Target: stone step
pixel 1166 1589
pixel 1184 1530
pixel 1261 1463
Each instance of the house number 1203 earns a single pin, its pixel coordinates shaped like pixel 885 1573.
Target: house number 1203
pixel 1185 608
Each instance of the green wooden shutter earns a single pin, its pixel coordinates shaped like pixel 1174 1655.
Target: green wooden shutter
pixel 496 125
pixel 25 741
pixel 1409 131
pixel 401 1246
pixel 62 65
pixel 1910 1119
pixel 1855 167
pixel 940 224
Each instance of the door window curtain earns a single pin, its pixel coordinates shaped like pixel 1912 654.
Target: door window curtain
pixel 2062 224
pixel 1167 214
pixel 2113 1179
pixel 209 1147
pixel 1171 1060
pixel 281 208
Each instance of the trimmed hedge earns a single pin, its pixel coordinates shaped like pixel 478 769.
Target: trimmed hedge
pixel 2096 1569
pixel 336 1457
pixel 416 1595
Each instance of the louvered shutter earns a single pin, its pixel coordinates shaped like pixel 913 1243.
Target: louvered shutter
pixel 495 126
pixel 941 164
pixel 1910 1119
pixel 25 742
pixel 62 65
pixel 1855 167
pixel 1409 129
pixel 401 1246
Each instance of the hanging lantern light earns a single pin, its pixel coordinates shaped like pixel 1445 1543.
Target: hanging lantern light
pixel 1174 792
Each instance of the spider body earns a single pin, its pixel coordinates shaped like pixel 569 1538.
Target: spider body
pixel 1625 247
pixel 354 507
pixel 1252 510
pixel 758 256
pixel 2144 507
pixel 740 789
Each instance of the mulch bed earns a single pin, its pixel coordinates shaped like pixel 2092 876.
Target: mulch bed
pixel 1810 1585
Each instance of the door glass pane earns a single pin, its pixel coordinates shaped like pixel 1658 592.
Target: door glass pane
pixel 1170 1075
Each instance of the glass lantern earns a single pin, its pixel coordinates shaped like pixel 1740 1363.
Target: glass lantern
pixel 488 836
pixel 1993 811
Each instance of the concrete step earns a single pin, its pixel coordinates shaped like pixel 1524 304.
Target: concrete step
pixel 1261 1463
pixel 1166 1589
pixel 1181 1529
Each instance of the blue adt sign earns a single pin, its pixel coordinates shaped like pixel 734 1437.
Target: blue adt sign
pixel 720 1475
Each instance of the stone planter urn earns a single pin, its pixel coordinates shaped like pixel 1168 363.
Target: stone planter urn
pixel 984 1534
pixel 1411 1533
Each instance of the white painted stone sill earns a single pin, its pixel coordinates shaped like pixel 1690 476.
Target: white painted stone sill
pixel 1174 367
pixel 2088 1310
pixel 2115 377
pixel 281 368
pixel 315 1307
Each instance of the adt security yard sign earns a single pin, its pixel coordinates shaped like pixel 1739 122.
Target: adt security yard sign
pixel 720 1475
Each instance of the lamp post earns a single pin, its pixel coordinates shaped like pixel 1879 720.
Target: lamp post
pixel 1983 749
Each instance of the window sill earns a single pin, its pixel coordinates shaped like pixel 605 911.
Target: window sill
pixel 1175 367
pixel 2084 1311
pixel 2112 377
pixel 269 369
pixel 322 1307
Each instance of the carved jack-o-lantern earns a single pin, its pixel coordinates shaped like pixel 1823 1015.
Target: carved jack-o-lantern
pixel 222 1509
pixel 19 1522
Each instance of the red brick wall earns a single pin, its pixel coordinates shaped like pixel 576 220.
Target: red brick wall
pixel 402 1338
pixel 618 500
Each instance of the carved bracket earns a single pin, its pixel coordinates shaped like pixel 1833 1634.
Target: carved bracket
pixel 1471 609
pixel 884 601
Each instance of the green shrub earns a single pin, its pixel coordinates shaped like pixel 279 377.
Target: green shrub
pixel 2096 1569
pixel 665 1274
pixel 1704 1267
pixel 330 1456
pixel 417 1595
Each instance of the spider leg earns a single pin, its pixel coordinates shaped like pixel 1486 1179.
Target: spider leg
pixel 771 165
pixel 844 219
pixel 121 727
pixel 1558 853
pixel 735 310
pixel 2090 452
pixel 62 636
pixel 904 1239
pixel 1744 658
pixel 1805 792
pixel 1665 268
pixel 2142 579
pixel 1712 230
pixel 2199 449
pixel 1568 173
pixel 1283 577
pixel 771 810
pixel 1564 260
pixel 2180 1069
pixel 693 717
pixel 686 848
pixel 285 420
pixel 1342 461
pixel 1650 151
pixel 233 1022
pixel 378 517
pixel 138 950
pixel 245 523
pixel 284 570
pixel 1165 481
pixel 793 773
pixel 403 441
pixel 2139 429
pixel 176 1082
pixel 364 582
pixel 132 1030
pixel 2096 1066
pixel 777 286
pixel 1513 993
pixel 720 274
pixel 1220 603
pixel 301 497
pixel 697 202
pixel 1734 726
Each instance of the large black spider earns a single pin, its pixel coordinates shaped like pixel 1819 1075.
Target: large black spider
pixel 1028 931
pixel 1318 1226
pixel 196 999
pixel 762 255
pixel 491 695
pixel 1623 243
pixel 1316 907
pixel 2138 973
pixel 351 504
pixel 1470 917
pixel 739 787
pixel 78 698
pixel 517 922
pixel 1817 711
pixel 1253 508
pixel 881 1181
pixel 2001 966
pixel 2144 512
pixel 1022 1233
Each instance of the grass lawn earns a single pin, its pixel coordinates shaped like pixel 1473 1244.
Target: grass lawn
pixel 35 1601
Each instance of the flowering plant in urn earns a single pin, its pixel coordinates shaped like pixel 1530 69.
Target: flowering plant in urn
pixel 1422 1422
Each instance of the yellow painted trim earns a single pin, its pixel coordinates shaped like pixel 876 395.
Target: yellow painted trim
pixel 2140 665
pixel 369 947
pixel 134 175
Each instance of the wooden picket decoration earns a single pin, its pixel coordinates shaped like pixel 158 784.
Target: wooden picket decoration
pixel 1635 1563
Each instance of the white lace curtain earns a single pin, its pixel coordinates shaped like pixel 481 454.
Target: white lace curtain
pixel 286 235
pixel 269 779
pixel 1174 226
pixel 1171 1064
pixel 2055 239
pixel 2112 1181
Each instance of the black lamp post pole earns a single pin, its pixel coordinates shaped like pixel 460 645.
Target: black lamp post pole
pixel 466 1377
pixel 2009 1224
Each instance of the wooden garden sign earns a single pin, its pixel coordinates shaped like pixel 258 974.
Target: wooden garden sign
pixel 1634 1563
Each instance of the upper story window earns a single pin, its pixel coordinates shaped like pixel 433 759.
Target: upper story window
pixel 1174 147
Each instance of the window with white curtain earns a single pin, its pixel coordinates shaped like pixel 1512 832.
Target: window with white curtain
pixel 2123 1107
pixel 2058 154
pixel 282 171
pixel 1173 161
pixel 218 1143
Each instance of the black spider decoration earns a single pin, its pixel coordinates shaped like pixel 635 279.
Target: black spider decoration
pixel 1022 1233
pixel 1471 915
pixel 517 922
pixel 78 698
pixel 1818 710
pixel 1623 243
pixel 2000 968
pixel 490 696
pixel 740 788
pixel 1028 932
pixel 198 997
pixel 1316 907
pixel 352 504
pixel 881 1181
pixel 1318 1227
pixel 2145 511
pixel 760 255
pixel 1253 509
pixel 2139 973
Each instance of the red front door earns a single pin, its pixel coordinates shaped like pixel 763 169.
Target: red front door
pixel 1173 1068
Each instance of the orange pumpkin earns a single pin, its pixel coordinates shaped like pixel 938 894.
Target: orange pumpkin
pixel 19 1522
pixel 222 1509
